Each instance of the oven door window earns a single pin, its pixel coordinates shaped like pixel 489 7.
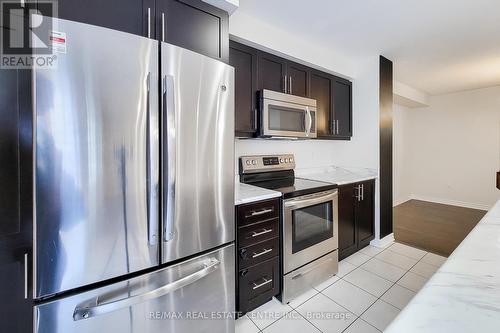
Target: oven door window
pixel 286 119
pixel 311 225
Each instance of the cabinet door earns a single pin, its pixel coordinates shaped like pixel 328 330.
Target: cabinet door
pixel 244 61
pixel 123 15
pixel 15 207
pixel 298 79
pixel 194 25
pixel 321 91
pixel 347 225
pixel 342 107
pixel 271 72
pixel 364 214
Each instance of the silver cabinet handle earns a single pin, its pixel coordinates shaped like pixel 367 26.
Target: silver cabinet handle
pixel 266 281
pixel 169 155
pixel 263 232
pixel 357 191
pixel 290 88
pixel 333 127
pixel 151 197
pixel 337 123
pixel 362 192
pixel 25 276
pixel 256 255
pixel 261 212
pixel 93 308
pixel 162 27
pixel 149 22
pixel 284 83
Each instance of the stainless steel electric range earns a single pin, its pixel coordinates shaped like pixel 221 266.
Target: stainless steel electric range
pixel 309 231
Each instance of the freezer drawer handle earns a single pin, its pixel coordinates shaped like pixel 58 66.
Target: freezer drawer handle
pixel 92 308
pixel 261 212
pixel 263 232
pixel 266 281
pixel 256 255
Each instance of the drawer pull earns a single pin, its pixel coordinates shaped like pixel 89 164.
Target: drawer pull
pixel 263 232
pixel 266 281
pixel 255 255
pixel 261 212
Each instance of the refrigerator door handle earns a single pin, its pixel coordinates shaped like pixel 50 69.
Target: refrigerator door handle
pixel 92 308
pixel 169 155
pixel 151 197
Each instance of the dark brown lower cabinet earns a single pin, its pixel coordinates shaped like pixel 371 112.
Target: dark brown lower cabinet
pixel 356 217
pixel 258 248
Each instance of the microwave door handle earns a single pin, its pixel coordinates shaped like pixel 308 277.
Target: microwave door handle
pixel 309 121
pixel 169 156
pixel 92 308
pixel 151 188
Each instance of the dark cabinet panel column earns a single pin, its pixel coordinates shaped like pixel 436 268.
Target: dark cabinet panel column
pixel 16 204
pixel 244 61
pixel 385 91
pixel 194 25
pixel 298 79
pixel 347 225
pixel 365 214
pixel 271 72
pixel 342 107
pixel 321 91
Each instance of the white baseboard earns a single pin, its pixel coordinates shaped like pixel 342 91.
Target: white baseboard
pixel 384 242
pixel 400 201
pixel 451 202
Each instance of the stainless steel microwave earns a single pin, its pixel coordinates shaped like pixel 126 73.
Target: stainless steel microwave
pixel 285 115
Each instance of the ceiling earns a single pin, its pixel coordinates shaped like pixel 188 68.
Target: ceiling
pixel 437 46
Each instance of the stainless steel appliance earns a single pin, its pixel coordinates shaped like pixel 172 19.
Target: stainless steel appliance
pixel 103 214
pixel 310 221
pixel 285 115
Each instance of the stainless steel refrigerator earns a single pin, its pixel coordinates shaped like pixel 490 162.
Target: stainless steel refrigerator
pixel 133 187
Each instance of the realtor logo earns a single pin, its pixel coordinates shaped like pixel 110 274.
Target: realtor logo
pixel 27 30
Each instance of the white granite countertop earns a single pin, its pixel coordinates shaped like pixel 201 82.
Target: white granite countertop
pixel 464 294
pixel 244 193
pixel 338 175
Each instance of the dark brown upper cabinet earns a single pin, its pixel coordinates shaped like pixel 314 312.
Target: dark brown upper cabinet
pixel 334 108
pixel 342 107
pixel 244 61
pixel 298 79
pixel 333 94
pixel 271 72
pixel 192 24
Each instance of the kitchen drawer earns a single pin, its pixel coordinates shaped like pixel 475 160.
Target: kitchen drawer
pixel 258 211
pixel 258 232
pixel 258 284
pixel 257 253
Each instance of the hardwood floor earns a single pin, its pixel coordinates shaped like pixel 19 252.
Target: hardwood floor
pixel 433 227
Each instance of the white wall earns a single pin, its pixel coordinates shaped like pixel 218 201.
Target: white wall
pixel 363 149
pixel 449 152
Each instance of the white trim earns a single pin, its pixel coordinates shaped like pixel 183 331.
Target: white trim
pixel 384 242
pixel 451 202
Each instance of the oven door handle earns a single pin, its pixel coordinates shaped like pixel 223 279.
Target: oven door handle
pixel 310 200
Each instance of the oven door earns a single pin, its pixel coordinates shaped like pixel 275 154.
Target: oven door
pixel 283 119
pixel 310 228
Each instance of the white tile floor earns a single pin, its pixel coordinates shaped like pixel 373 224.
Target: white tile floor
pixel 371 288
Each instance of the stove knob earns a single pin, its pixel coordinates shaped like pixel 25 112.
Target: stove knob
pixel 282 160
pixel 254 162
pixel 248 162
pixel 286 160
pixel 291 160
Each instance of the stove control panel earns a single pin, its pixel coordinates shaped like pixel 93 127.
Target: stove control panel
pixel 263 163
